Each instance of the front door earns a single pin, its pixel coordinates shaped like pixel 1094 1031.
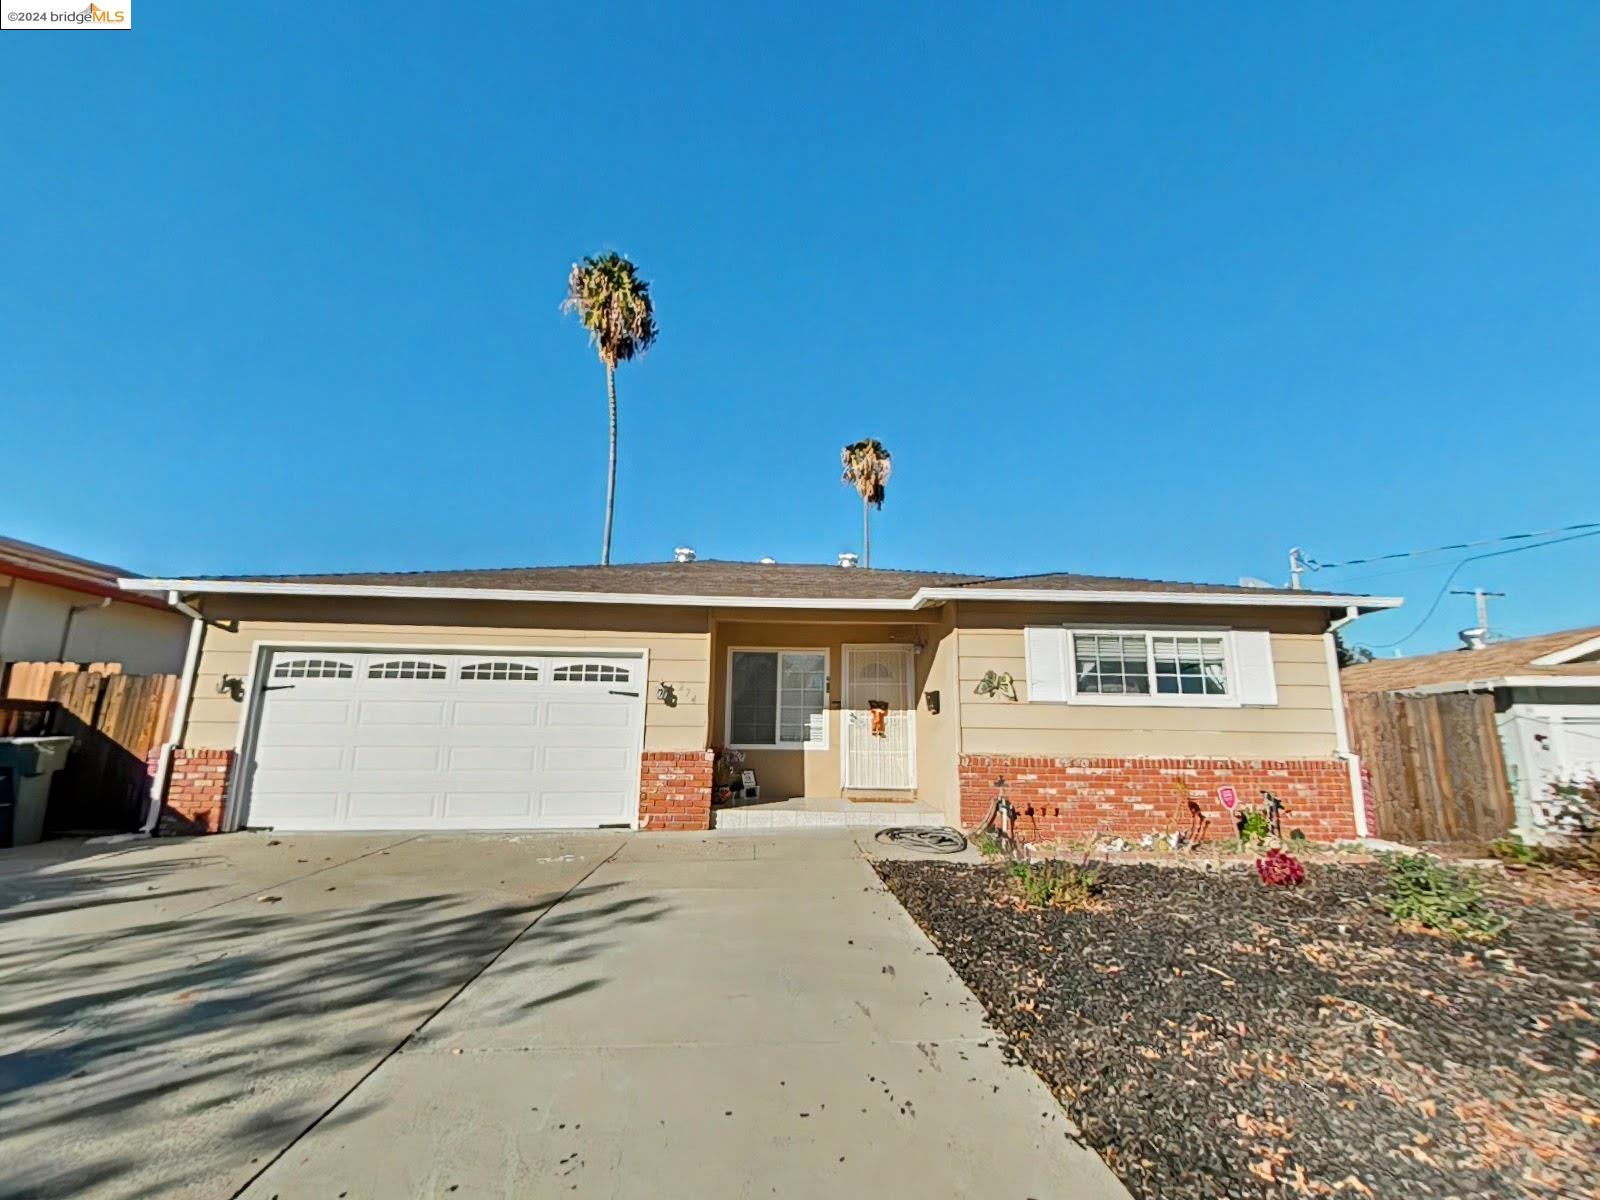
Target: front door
pixel 879 746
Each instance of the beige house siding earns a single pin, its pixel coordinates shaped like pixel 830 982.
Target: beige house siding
pixel 34 616
pixel 677 640
pixel 1300 725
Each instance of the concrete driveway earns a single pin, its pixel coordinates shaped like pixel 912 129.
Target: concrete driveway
pixel 612 1015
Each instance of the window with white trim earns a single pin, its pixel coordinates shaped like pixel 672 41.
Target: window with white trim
pixel 311 668
pixel 500 672
pixel 1150 663
pixel 406 668
pixel 778 699
pixel 590 673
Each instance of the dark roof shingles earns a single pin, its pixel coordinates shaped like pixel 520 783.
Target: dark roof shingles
pixel 720 577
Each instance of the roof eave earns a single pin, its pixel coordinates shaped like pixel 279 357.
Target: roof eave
pixel 923 597
pixel 1283 599
pixel 1486 685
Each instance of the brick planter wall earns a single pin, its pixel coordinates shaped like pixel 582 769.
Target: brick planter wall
pixel 197 786
pixel 1075 798
pixel 675 789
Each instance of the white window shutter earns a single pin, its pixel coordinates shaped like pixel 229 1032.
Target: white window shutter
pixel 1252 658
pixel 1047 662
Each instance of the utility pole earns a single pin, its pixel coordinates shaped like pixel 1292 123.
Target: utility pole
pixel 1482 598
pixel 1297 564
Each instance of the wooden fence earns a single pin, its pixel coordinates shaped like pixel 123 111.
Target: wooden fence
pixel 1436 766
pixel 116 719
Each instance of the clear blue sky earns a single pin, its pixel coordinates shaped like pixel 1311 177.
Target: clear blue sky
pixel 1125 289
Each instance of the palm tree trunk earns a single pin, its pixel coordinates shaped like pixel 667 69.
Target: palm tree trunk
pixel 611 473
pixel 866 534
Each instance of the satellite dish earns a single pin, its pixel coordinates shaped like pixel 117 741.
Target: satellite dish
pixel 1252 581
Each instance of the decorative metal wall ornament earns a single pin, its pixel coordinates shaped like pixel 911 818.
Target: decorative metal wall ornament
pixel 880 715
pixel 993 684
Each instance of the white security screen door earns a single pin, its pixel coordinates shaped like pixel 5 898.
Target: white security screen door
pixel 407 739
pixel 881 675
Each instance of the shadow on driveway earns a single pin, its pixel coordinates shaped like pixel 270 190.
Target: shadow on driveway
pixel 179 1057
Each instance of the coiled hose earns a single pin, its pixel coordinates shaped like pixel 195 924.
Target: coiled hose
pixel 929 839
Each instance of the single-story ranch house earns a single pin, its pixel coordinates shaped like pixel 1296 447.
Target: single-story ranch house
pixel 557 697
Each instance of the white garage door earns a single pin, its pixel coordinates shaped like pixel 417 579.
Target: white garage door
pixel 409 740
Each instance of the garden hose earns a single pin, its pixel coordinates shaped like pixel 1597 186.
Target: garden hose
pixel 926 838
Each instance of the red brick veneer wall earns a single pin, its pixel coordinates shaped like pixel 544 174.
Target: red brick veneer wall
pixel 1074 798
pixel 675 789
pixel 197 787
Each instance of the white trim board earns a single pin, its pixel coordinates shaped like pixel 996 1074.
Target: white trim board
pixel 923 598
pixel 1485 685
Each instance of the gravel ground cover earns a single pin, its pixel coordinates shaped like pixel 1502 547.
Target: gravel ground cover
pixel 1214 1037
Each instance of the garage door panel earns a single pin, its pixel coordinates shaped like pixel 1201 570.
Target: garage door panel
pixel 493 758
pixel 400 712
pixel 589 759
pixel 558 805
pixel 591 714
pixel 399 805
pixel 380 759
pixel 432 741
pixel 296 802
pixel 497 712
pixel 315 713
pixel 301 757
pixel 469 806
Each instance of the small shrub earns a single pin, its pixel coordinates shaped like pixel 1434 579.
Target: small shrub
pixel 1424 891
pixel 1571 807
pixel 1253 826
pixel 988 845
pixel 1513 850
pixel 1278 869
pixel 1056 884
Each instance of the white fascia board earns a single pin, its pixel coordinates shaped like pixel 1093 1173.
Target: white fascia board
pixel 1504 681
pixel 392 591
pixel 1284 599
pixel 1559 657
pixel 922 599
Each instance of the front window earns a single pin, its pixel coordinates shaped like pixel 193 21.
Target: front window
pixel 778 698
pixel 1142 664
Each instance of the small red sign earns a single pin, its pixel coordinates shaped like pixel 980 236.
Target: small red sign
pixel 1228 796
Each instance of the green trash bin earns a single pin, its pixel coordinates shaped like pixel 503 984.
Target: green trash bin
pixel 29 762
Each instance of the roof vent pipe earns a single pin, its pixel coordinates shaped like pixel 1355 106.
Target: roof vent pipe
pixel 683 554
pixel 848 560
pixel 1474 639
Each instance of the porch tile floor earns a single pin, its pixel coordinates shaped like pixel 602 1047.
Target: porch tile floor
pixel 814 812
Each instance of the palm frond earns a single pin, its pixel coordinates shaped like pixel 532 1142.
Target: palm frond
pixel 613 303
pixel 866 468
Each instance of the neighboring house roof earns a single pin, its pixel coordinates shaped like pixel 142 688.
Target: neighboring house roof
pixel 1530 659
pixel 41 564
pixel 778 584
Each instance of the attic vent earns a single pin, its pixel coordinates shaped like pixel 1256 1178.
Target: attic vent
pixel 683 554
pixel 848 560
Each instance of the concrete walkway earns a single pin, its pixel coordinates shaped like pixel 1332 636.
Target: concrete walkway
pixel 545 1015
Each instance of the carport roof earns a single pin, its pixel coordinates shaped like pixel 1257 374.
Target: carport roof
pixel 728 582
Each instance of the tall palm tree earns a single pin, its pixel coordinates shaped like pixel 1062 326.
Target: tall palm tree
pixel 866 468
pixel 614 305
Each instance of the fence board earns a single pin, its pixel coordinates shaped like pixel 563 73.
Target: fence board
pixel 1436 766
pixel 115 719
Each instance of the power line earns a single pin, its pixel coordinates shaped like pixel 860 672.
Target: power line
pixel 1455 570
pixel 1510 537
